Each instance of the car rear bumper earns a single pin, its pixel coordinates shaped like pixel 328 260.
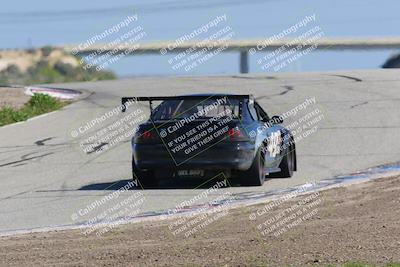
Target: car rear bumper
pixel 237 156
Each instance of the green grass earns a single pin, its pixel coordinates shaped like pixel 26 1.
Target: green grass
pixel 361 264
pixel 253 261
pixel 37 105
pixel 357 264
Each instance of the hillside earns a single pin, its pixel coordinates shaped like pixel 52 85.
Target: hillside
pixel 45 65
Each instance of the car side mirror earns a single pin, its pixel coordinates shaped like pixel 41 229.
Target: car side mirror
pixel 276 120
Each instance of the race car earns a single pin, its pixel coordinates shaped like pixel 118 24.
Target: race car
pixel 208 134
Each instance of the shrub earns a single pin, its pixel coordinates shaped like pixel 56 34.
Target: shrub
pixel 41 103
pixel 13 70
pixel 46 50
pixel 43 72
pixel 65 69
pixel 38 104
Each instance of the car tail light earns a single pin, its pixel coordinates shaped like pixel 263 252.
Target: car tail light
pixel 236 134
pixel 148 136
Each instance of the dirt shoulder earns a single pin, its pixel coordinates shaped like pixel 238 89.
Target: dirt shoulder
pixel 354 223
pixel 13 97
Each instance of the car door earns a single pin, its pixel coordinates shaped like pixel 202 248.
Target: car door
pixel 272 134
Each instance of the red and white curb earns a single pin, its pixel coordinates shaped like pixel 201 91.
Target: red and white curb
pixel 66 94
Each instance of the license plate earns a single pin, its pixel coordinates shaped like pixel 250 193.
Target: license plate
pixel 190 172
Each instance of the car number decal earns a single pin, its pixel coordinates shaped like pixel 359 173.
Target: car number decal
pixel 274 144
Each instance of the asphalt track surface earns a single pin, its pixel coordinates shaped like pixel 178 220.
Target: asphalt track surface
pixel 46 177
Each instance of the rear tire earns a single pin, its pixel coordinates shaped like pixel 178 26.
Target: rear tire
pixel 255 176
pixel 146 179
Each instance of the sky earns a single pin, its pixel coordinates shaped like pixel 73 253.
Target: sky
pixel 25 24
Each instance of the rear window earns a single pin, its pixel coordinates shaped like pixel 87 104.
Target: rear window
pixel 200 109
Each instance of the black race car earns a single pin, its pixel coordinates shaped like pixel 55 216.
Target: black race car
pixel 209 134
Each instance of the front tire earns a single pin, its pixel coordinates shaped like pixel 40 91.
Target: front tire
pixel 146 178
pixel 287 165
pixel 255 176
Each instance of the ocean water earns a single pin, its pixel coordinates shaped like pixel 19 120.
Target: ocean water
pixel 26 24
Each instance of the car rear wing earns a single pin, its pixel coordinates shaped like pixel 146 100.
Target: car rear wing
pixel 125 101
